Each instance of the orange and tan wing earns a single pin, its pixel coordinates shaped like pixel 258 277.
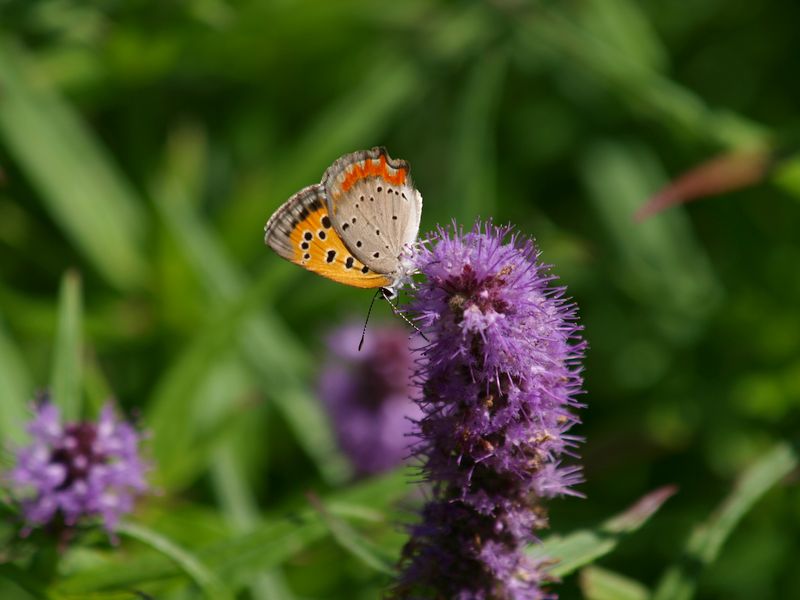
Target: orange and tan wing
pixel 301 231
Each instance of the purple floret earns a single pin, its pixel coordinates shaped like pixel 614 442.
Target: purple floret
pixel 499 386
pixel 368 395
pixel 77 471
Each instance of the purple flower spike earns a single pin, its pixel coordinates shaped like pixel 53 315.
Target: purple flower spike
pixel 498 384
pixel 368 395
pixel 76 471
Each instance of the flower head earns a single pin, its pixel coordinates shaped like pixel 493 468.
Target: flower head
pixel 75 471
pixel 367 394
pixel 499 382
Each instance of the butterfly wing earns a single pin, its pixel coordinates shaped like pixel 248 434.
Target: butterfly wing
pixel 301 231
pixel 374 206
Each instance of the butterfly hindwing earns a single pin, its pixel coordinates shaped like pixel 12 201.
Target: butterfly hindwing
pixel 374 206
pixel 301 231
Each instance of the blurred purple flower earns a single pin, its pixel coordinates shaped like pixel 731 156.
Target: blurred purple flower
pixel 498 388
pixel 75 471
pixel 367 395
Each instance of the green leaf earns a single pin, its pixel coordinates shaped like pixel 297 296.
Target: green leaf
pixel 277 540
pixel 171 417
pixel 208 582
pixel 66 381
pixel 23 580
pixel 240 507
pixel 238 559
pixel 706 541
pixel 601 584
pixel 15 390
pixel 349 539
pixel 178 392
pixel 80 187
pixel 582 547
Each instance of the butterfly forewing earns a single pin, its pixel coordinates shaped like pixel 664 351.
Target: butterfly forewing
pixel 302 231
pixel 374 206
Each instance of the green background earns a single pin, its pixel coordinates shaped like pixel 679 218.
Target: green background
pixel 144 144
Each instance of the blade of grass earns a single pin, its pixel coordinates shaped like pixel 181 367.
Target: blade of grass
pixel 15 390
pixel 706 541
pixel 587 545
pixel 601 584
pixel 76 179
pixel 206 580
pixel 65 381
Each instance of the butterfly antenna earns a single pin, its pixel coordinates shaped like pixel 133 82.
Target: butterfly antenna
pixel 369 312
pixel 397 312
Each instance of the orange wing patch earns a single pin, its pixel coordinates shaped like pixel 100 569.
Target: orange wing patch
pixel 374 168
pixel 318 248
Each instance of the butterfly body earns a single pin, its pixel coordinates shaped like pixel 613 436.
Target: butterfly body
pixel 354 226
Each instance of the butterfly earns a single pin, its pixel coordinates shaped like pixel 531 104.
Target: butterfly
pixel 355 225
